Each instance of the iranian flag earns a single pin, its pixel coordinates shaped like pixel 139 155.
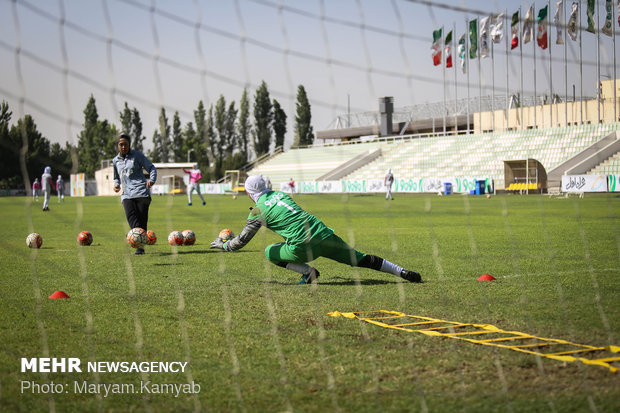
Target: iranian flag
pixel 541 37
pixel 436 48
pixel 448 49
pixel 514 28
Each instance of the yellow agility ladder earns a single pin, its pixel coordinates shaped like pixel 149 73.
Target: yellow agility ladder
pixel 490 336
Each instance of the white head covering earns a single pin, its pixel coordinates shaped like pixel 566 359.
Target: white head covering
pixel 255 187
pixel 48 170
pixel 389 170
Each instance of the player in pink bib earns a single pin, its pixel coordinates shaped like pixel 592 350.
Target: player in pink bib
pixel 194 184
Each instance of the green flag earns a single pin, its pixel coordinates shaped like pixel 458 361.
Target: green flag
pixel 590 13
pixel 473 38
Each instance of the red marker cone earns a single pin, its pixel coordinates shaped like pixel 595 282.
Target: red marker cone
pixel 58 294
pixel 486 277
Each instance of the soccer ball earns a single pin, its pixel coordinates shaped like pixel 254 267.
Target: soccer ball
pixel 188 237
pixel 175 238
pixel 226 234
pixel 85 238
pixel 136 237
pixel 151 237
pixel 34 240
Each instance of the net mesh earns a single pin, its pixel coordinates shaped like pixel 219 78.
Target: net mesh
pixel 157 54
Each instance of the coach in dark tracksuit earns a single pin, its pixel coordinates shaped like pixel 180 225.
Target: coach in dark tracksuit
pixel 136 189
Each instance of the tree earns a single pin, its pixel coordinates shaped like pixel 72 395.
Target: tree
pixel 95 141
pixel 9 151
pixel 131 124
pixel 303 129
pixel 88 145
pixel 231 140
pixel 202 139
pixel 178 147
pixel 161 140
pixel 263 118
pixel 219 142
pixel 279 123
pixel 37 156
pixel 244 127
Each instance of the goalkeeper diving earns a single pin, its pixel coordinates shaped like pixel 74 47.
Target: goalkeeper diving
pixel 306 237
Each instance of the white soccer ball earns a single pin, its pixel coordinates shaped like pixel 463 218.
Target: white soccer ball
pixel 34 240
pixel 136 237
pixel 188 237
pixel 175 238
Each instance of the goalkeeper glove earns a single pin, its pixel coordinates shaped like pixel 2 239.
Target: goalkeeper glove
pixel 218 243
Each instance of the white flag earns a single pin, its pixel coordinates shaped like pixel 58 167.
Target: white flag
pixel 609 11
pixel 528 25
pixel 571 27
pixel 462 52
pixel 484 37
pixel 558 20
pixel 497 28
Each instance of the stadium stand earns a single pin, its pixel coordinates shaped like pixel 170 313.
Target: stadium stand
pixel 610 166
pixel 479 155
pixel 309 164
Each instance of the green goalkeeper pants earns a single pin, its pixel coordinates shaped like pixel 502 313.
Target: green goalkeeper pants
pixel 332 247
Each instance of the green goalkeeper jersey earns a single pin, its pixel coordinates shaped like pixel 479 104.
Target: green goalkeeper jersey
pixel 278 212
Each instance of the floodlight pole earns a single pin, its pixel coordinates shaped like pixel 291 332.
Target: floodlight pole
pixel 188 152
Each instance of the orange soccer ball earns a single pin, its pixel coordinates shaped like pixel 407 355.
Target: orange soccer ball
pixel 85 238
pixel 226 234
pixel 151 237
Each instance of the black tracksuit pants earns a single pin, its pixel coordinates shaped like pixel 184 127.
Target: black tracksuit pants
pixel 137 211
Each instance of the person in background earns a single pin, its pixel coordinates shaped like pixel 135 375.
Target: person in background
pixel 36 189
pixel 136 189
pixel 46 185
pixel 194 184
pixel 306 237
pixel 291 185
pixel 388 181
pixel 60 188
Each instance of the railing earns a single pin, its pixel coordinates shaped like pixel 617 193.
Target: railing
pixel 261 159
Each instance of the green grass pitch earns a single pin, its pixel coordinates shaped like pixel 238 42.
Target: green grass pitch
pixel 256 341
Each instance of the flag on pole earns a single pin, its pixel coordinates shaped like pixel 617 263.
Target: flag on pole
pixel 541 37
pixel 462 52
pixel 528 25
pixel 514 28
pixel 609 11
pixel 473 38
pixel 590 13
pixel 484 37
pixel 448 48
pixel 618 12
pixel 571 27
pixel 558 20
pixel 436 48
pixel 497 28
